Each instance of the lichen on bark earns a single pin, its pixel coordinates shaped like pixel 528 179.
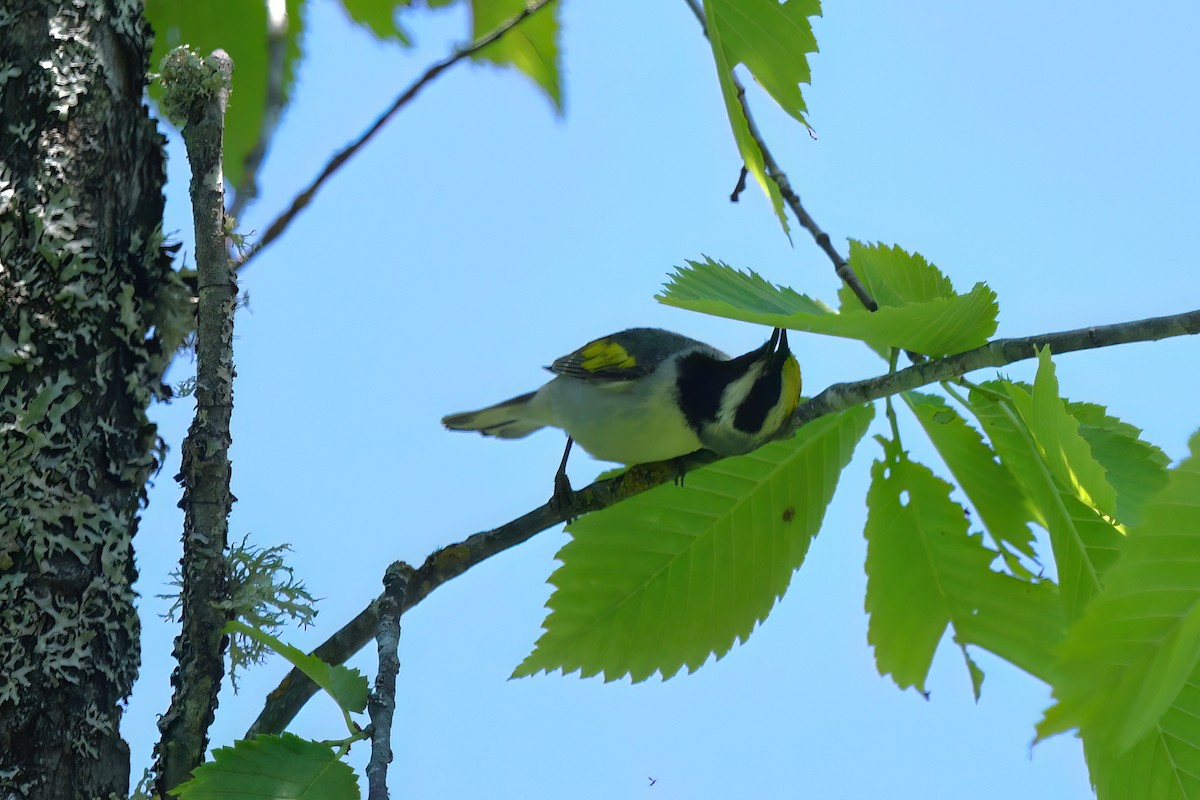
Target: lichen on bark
pixel 90 314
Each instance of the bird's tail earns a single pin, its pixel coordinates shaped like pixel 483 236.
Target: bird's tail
pixel 506 420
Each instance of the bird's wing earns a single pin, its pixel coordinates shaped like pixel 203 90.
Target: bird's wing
pixel 624 356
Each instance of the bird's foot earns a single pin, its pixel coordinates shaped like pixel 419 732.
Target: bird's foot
pixel 563 496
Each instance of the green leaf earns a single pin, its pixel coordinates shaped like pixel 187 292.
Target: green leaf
pixel 531 47
pixel 923 567
pixel 1126 660
pixel 268 766
pixel 677 574
pixel 239 28
pixel 1164 764
pixel 986 482
pixel 934 327
pixel 898 279
pixel 773 40
pixel 895 277
pixel 712 287
pixel 1083 541
pixel 347 686
pixel 1064 450
pixel 1136 469
pixel 380 17
pixel 1020 621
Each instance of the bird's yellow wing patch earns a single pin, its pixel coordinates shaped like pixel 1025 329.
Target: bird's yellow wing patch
pixel 605 355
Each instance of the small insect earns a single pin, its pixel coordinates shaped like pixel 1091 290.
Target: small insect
pixel 789 514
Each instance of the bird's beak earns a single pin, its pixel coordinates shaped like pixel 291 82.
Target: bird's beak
pixel 769 348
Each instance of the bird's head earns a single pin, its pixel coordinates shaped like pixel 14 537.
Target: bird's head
pixel 739 404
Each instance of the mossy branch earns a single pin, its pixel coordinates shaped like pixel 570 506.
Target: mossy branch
pixel 382 704
pixel 196 92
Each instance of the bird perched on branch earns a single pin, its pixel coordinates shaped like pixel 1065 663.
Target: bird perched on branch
pixel 645 395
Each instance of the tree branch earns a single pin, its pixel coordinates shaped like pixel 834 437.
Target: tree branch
pixel 293 692
pixel 840 265
pixel 382 705
pixel 196 91
pixel 281 223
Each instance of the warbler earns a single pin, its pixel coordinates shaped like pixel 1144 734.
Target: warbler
pixel 646 394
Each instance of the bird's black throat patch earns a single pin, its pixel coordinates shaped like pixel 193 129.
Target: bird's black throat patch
pixel 764 394
pixel 701 382
pixel 698 387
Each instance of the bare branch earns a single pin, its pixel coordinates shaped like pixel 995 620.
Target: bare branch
pixel 382 705
pixel 449 562
pixel 997 353
pixel 280 224
pixel 196 91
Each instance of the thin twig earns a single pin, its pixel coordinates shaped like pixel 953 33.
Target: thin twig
pixel 285 702
pixel 280 224
pixel 840 266
pixel 736 194
pixel 382 705
pixel 196 92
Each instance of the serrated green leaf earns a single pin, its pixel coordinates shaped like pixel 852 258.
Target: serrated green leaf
pixel 1020 621
pixel 267 766
pixel 975 673
pixel 677 574
pixel 1063 449
pixel 934 327
pixel 986 482
pixel 240 29
pixel 531 47
pixel 772 39
pixel 1083 541
pixel 716 288
pixel 923 567
pixel 1164 764
pixel 1136 469
pixel 895 277
pixel 1126 660
pixel 898 279
pixel 346 685
pixel 380 17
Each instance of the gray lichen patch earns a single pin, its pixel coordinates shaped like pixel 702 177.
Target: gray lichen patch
pixel 192 83
pixel 90 314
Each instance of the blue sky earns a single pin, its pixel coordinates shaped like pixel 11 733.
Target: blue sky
pixel 1047 149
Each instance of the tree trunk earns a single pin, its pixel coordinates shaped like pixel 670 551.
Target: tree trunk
pixel 90 313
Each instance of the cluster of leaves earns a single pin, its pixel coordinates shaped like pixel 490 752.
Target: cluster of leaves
pixel 267 52
pixel 676 575
pixel 1109 617
pixel 287 765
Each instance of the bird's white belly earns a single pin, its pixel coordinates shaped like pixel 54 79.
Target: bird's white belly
pixel 626 422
